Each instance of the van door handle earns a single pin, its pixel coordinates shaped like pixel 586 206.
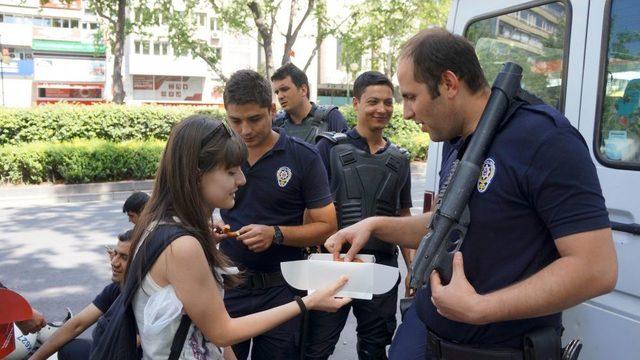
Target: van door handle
pixel 631 228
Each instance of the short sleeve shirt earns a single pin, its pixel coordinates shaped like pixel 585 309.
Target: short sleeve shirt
pixel 107 296
pixel 103 302
pixel 538 184
pixel 288 179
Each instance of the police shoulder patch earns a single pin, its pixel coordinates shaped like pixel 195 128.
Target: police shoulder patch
pixel 283 175
pixel 486 175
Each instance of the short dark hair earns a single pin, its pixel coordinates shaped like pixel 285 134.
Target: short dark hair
pixel 247 86
pixel 135 202
pixel 369 78
pixel 434 51
pixel 125 236
pixel 298 77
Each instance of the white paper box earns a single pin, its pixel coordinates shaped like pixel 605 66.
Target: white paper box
pixel 365 279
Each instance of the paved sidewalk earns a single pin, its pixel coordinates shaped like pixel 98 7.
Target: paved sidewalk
pixel 52 241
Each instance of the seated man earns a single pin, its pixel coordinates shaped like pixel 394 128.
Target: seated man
pixel 64 340
pixel 134 205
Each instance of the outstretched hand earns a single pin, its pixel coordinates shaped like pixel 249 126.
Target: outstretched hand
pixel 325 300
pixel 357 235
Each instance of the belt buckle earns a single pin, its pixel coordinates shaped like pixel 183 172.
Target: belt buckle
pixel 263 281
pixel 256 281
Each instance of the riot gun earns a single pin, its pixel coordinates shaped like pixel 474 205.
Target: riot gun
pixel 450 220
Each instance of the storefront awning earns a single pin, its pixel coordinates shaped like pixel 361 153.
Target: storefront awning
pixel 67 46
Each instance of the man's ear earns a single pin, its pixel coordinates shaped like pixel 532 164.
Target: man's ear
pixel 449 84
pixel 306 90
pixel 272 110
pixel 355 101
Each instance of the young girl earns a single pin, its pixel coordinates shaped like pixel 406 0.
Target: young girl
pixel 199 171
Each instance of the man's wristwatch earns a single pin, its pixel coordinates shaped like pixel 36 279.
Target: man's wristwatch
pixel 278 238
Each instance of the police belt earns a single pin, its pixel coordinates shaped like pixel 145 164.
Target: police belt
pixel 256 281
pixel 443 349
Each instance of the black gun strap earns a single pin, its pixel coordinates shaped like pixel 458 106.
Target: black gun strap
pixel 180 337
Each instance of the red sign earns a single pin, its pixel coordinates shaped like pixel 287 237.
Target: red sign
pixel 62 4
pixel 143 82
pixel 14 308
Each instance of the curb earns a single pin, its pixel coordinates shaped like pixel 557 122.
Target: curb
pixel 56 194
pixel 120 190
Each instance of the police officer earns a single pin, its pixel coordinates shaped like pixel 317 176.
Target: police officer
pixel 284 176
pixel 300 117
pixel 539 240
pixel 369 176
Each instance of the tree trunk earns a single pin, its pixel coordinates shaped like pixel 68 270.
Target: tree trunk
pixel 118 52
pixel 268 56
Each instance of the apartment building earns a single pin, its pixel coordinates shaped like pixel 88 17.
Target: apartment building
pixel 157 73
pixel 50 54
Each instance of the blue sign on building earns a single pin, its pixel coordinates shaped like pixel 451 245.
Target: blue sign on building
pixel 18 67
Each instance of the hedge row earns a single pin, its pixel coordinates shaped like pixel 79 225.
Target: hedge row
pixel 79 144
pixel 79 161
pixel 64 122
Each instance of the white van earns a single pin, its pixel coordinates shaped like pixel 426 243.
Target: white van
pixel 583 57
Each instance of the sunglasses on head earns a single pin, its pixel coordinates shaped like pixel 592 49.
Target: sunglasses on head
pixel 222 125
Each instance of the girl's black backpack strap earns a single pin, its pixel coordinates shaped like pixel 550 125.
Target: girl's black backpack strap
pixel 118 339
pixel 180 337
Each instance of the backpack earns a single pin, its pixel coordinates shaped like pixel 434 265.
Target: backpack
pixel 117 340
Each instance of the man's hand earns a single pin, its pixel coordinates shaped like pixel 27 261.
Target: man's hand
pixel 257 238
pixel 458 301
pixel 408 291
pixel 357 235
pixel 32 325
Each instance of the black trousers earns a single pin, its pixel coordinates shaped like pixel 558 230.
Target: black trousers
pixel 76 349
pixel 376 323
pixel 280 343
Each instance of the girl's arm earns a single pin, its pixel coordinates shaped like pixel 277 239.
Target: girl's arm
pixel 184 266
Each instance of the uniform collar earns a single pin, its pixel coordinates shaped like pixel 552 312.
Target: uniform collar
pixel 280 145
pixel 355 135
pixel 310 114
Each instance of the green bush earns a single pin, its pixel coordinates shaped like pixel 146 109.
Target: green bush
pixel 76 144
pixel 404 133
pixel 64 122
pixel 79 161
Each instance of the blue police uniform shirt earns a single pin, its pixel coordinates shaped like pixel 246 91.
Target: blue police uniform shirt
pixel 284 182
pixel 538 184
pixel 324 148
pixel 334 118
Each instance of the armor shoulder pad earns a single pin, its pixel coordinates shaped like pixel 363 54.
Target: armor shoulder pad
pixel 322 111
pixel 278 120
pixel 400 151
pixel 334 137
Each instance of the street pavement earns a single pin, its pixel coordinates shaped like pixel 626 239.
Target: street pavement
pixel 54 254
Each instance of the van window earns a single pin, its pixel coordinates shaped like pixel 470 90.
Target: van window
pixel 618 134
pixel 534 38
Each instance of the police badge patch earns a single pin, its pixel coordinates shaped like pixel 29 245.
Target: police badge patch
pixel 283 175
pixel 487 174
